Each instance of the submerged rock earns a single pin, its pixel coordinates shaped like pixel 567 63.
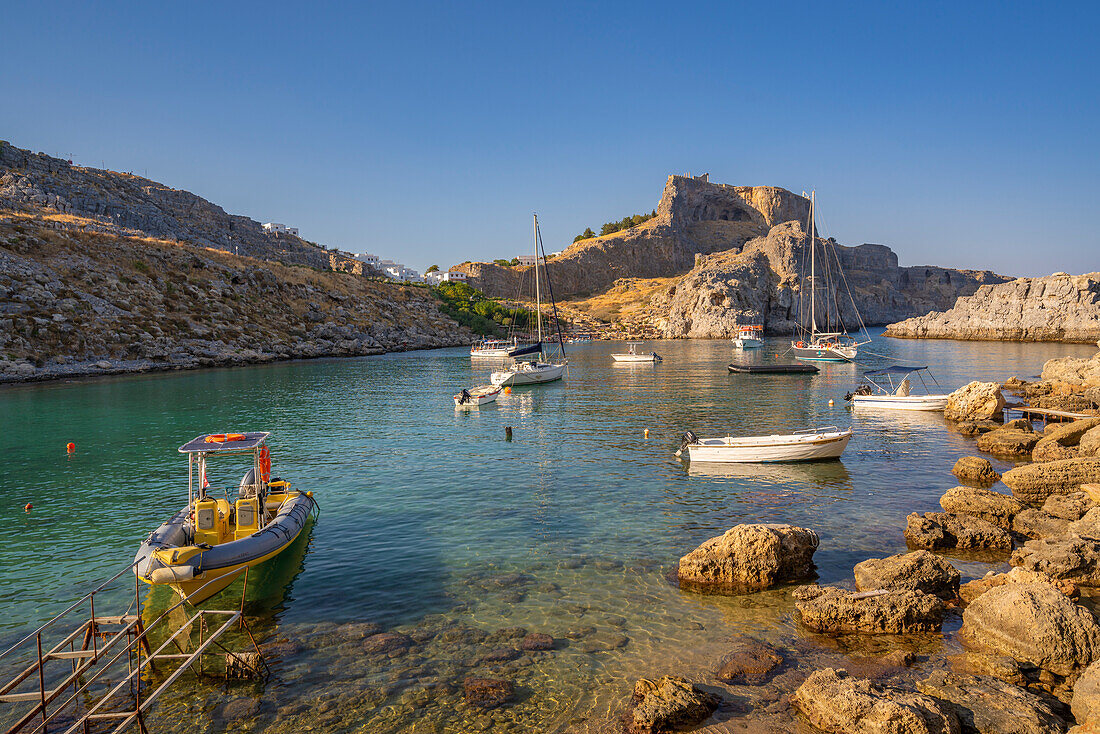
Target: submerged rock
pixel 1036 625
pixel 748 662
pixel 831 609
pixel 919 570
pixel 537 641
pixel 993 507
pixel 834 702
pixel 971 590
pixel 671 702
pixel 976 401
pixel 386 643
pixel 986 704
pixel 936 530
pixel 488 692
pixel 1071 558
pixel 750 558
pixel 975 470
pixel 1011 440
pixel 1034 483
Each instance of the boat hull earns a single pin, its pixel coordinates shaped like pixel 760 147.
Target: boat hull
pixel 748 343
pixel 203 575
pixel 634 357
pixel 771 449
pixel 475 400
pixel 824 354
pixel 535 376
pixel 898 402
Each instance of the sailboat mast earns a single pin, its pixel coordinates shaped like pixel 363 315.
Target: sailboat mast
pixel 538 293
pixel 813 273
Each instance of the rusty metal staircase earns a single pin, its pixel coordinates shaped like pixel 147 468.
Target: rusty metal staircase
pixel 105 663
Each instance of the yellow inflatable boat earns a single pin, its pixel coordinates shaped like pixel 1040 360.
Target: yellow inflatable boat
pixel 202 548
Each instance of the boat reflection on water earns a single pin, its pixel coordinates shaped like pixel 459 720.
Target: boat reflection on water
pixel 815 473
pixel 269 588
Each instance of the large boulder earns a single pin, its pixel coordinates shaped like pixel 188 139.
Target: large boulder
pixel 1037 626
pixel 986 704
pixel 835 702
pixel 976 471
pixel 1089 445
pixel 1085 703
pixel 1070 557
pixel 975 401
pixel 971 590
pixel 919 570
pixel 1009 441
pixel 940 530
pixel 831 609
pixel 1032 523
pixel 671 702
pixel 748 662
pixel 1034 483
pixel 750 558
pixel 1060 440
pixel 1070 507
pixel 993 507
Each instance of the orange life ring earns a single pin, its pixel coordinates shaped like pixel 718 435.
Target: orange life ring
pixel 265 464
pixel 801 345
pixel 224 437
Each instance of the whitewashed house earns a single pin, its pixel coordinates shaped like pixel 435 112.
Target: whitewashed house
pixel 277 228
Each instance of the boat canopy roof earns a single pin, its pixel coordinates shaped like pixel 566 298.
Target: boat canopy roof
pixel 895 369
pixel 217 442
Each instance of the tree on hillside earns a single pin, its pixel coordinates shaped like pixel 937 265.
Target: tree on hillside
pixel 432 269
pixel 502 262
pixel 587 234
pixel 514 262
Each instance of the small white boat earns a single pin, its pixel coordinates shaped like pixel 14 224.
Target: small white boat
pixel 814 444
pixel 477 396
pixel 528 373
pixel 501 349
pixel 879 391
pixel 749 336
pixel 633 356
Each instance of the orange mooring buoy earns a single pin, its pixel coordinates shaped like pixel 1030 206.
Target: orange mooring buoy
pixel 508 390
pixel 70 447
pixel 28 507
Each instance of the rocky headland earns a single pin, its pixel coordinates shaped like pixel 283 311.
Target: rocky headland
pixel 105 273
pixel 1059 307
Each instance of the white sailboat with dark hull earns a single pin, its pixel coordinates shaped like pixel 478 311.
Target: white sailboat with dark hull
pixel 833 343
pixel 544 369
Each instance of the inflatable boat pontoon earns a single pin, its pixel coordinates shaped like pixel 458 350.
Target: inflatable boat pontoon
pixel 205 546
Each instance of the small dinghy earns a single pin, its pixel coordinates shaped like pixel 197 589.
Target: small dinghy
pixel 204 546
pixel 879 390
pixel 476 396
pixel 814 444
pixel 749 336
pixel 632 355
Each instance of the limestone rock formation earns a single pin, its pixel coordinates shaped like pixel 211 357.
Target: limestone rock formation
pixel 668 703
pixel 750 558
pixel 1074 370
pixel 1085 703
pixel 919 570
pixel 1069 507
pixel 986 704
pixel 1032 523
pixel 941 530
pixel 748 662
pixel 1014 439
pixel 971 590
pixel 835 702
pixel 975 401
pixel 1034 483
pixel 1061 440
pixel 1069 557
pixel 1033 624
pixel 993 507
pixel 834 610
pixel 1057 307
pixel 975 471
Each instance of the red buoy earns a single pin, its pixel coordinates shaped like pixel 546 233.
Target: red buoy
pixel 70 447
pixel 28 507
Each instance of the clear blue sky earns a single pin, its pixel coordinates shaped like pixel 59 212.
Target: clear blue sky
pixel 960 134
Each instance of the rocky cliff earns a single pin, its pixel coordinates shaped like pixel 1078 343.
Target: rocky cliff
pixel 762 281
pixel 1058 307
pixel 121 203
pixel 694 217
pixel 75 303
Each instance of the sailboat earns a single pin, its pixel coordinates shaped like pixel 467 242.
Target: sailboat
pixel 833 344
pixel 543 369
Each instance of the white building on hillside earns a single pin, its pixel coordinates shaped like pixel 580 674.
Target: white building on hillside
pixel 439 276
pixel 277 228
pixel 454 277
pixel 367 258
pixel 397 271
pixel 528 259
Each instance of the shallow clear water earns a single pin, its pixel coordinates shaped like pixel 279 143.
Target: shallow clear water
pixel 430 521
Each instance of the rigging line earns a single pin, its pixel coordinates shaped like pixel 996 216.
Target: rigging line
pixel 887 357
pixel 549 286
pixel 852 299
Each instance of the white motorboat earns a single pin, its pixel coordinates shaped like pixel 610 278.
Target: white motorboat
pixel 528 373
pixel 632 355
pixel 831 344
pixel 814 444
pixel 879 391
pixel 749 336
pixel 477 396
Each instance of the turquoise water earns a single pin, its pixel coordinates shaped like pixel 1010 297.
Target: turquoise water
pixel 431 521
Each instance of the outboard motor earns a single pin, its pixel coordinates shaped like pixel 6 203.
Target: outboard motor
pixel 465 397
pixel 688 439
pixel 657 357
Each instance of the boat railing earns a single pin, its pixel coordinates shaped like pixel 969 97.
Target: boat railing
pixel 812 431
pixel 125 651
